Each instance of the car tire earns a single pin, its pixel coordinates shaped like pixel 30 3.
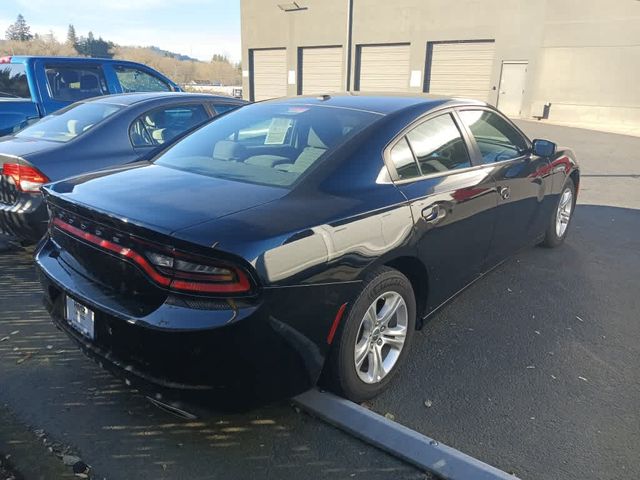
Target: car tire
pixel 556 234
pixel 383 290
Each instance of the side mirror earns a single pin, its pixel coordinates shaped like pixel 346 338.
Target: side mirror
pixel 544 148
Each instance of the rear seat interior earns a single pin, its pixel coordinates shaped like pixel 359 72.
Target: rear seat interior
pixel 319 139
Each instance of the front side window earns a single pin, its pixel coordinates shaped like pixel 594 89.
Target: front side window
pixel 136 80
pixel 265 144
pixel 13 81
pixel 161 125
pixel 71 84
pixel 496 139
pixel 69 123
pixel 439 146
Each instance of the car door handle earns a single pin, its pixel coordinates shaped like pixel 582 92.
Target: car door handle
pixel 432 214
pixel 505 192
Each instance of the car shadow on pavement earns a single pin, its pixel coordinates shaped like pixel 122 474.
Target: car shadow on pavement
pixel 49 384
pixel 535 369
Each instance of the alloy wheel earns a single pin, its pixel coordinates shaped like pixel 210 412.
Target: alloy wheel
pixel 563 215
pixel 381 337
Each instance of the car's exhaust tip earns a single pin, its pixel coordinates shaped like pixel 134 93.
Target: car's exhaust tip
pixel 172 409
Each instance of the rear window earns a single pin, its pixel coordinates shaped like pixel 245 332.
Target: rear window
pixel 267 144
pixel 70 122
pixel 13 81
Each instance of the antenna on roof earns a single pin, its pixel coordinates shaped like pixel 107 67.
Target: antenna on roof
pixel 324 97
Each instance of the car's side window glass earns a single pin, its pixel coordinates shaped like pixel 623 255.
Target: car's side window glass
pixel 71 84
pixel 402 158
pixel 223 107
pixel 161 125
pixel 136 80
pixel 496 139
pixel 438 145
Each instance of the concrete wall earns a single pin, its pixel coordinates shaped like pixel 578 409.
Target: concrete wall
pixel 590 62
pixel 584 55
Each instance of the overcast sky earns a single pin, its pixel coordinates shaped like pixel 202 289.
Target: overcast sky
pixel 198 28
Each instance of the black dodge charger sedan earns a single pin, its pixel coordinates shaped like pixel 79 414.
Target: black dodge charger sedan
pixel 296 240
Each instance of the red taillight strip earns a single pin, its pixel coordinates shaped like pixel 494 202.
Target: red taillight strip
pixel 113 247
pixel 241 285
pixel 336 322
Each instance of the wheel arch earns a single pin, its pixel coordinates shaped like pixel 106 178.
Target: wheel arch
pixel 575 177
pixel 416 272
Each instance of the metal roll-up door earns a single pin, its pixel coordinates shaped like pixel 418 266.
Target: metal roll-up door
pixel 269 75
pixel 322 69
pixel 383 68
pixel 461 69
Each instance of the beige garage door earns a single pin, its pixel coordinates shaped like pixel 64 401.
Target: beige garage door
pixel 269 73
pixel 462 69
pixel 383 68
pixel 322 70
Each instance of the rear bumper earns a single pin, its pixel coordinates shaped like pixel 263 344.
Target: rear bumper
pixel 256 351
pixel 26 220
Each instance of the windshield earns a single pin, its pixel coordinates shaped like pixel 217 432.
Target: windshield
pixel 69 123
pixel 268 144
pixel 13 81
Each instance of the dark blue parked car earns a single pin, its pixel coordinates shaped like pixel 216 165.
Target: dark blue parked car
pixel 87 136
pixel 32 87
pixel 295 240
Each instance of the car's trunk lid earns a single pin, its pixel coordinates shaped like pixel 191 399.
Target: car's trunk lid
pixel 159 198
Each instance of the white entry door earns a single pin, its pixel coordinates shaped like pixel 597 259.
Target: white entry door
pixel 512 81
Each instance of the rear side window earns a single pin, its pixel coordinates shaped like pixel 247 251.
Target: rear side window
pixel 223 107
pixel 439 146
pixel 13 81
pixel 496 139
pixel 135 80
pixel 71 84
pixel 403 160
pixel 161 125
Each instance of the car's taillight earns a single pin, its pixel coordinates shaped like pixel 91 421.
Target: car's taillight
pixel 177 272
pixel 191 275
pixel 27 179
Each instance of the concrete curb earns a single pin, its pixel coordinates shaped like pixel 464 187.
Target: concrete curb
pixel 398 440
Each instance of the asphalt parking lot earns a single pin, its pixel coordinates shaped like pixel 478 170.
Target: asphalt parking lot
pixel 535 369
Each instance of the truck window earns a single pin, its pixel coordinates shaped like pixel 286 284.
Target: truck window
pixel 136 80
pixel 13 81
pixel 71 84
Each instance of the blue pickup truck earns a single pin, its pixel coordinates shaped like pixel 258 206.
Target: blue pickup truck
pixel 32 87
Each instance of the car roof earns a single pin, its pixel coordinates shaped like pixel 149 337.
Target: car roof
pixel 127 99
pixel 382 103
pixel 23 58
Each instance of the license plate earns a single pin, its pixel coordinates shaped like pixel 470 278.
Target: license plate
pixel 80 318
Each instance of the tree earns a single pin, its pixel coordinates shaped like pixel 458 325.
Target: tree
pixel 217 57
pixel 91 47
pixel 72 38
pixel 19 30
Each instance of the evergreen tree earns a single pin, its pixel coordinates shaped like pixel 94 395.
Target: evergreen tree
pixel 19 30
pixel 217 57
pixel 72 38
pixel 91 47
